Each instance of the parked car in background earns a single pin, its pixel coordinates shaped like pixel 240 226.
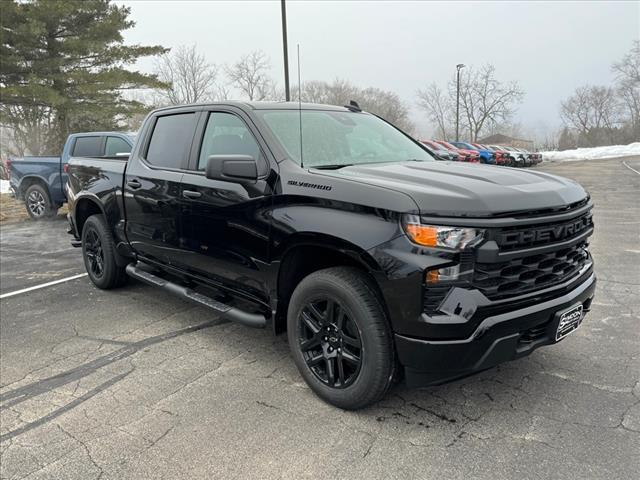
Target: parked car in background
pixel 486 156
pixel 502 157
pixel 515 156
pixel 465 155
pixel 39 181
pixel 528 160
pixel 441 152
pixel 534 157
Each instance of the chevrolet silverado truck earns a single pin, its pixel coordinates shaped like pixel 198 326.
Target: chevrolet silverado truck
pixel 332 225
pixel 39 181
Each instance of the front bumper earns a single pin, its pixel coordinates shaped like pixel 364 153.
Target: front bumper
pixel 499 338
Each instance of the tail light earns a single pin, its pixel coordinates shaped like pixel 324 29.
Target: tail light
pixel 8 167
pixel 65 168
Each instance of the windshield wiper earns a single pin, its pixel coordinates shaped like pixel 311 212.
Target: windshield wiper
pixel 334 166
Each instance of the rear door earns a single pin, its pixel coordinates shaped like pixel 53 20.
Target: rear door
pixel 152 185
pixel 225 227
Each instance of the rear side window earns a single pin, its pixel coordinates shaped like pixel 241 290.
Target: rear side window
pixel 226 134
pixel 87 147
pixel 171 140
pixel 116 145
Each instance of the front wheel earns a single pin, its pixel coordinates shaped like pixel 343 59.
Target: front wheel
pixel 340 337
pixel 99 254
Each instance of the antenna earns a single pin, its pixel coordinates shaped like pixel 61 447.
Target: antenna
pixel 300 108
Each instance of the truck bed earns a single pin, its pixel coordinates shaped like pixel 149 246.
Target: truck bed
pixel 103 175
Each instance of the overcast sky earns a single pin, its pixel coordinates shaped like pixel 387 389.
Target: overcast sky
pixel 550 48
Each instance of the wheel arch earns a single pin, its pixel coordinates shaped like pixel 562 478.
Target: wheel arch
pixel 308 252
pixel 84 207
pixel 29 180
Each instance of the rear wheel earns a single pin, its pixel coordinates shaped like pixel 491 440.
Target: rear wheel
pixel 340 338
pixel 38 204
pixel 99 254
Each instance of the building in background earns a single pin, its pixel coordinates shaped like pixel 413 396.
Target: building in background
pixel 499 139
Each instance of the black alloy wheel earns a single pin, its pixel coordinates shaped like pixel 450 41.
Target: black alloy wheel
pixel 94 253
pixel 99 254
pixel 330 342
pixel 340 337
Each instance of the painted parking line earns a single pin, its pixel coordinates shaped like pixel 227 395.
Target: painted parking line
pixel 630 168
pixel 42 285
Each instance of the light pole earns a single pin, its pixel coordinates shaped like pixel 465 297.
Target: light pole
pixel 459 67
pixel 283 8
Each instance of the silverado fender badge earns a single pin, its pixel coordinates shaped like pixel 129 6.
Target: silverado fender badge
pixel 296 183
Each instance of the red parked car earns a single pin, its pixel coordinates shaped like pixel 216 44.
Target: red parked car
pixel 465 155
pixel 442 152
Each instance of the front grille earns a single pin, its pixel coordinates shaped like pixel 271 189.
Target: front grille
pixel 511 238
pixel 527 274
pixel 505 265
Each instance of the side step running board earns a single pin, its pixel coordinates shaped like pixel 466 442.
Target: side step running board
pixel 233 314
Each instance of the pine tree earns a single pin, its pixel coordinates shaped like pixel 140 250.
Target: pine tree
pixel 64 67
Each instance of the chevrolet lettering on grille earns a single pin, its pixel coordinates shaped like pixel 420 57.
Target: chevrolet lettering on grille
pixel 545 234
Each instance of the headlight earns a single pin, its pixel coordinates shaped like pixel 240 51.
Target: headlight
pixel 455 238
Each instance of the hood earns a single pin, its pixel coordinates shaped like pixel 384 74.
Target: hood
pixel 466 190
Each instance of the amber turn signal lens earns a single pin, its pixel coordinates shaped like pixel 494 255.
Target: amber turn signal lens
pixel 432 277
pixel 422 235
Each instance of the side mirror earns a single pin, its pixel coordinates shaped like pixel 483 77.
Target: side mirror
pixel 232 168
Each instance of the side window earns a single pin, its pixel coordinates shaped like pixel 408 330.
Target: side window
pixel 227 134
pixel 87 147
pixel 171 140
pixel 116 145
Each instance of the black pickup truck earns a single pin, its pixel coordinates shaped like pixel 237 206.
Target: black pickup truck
pixel 334 226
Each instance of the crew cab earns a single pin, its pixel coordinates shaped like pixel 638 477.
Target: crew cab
pixel 39 181
pixel 333 226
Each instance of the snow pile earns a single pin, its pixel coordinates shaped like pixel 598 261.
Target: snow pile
pixel 4 186
pixel 595 153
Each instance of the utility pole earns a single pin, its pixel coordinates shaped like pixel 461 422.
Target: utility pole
pixel 285 50
pixel 459 67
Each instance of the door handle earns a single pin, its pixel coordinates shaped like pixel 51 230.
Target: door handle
pixel 134 184
pixel 191 194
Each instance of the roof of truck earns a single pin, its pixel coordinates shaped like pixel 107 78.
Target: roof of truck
pixel 265 106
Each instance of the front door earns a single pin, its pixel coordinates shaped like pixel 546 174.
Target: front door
pixel 225 225
pixel 152 186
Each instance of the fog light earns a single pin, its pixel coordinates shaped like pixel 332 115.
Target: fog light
pixel 442 274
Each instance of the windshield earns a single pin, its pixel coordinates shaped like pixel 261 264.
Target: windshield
pixel 334 138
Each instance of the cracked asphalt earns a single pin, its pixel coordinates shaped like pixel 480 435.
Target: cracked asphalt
pixel 132 383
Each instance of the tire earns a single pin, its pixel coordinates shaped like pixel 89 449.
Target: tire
pixel 38 203
pixel 321 342
pixel 99 254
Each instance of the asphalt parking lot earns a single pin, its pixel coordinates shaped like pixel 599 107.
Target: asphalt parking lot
pixel 132 383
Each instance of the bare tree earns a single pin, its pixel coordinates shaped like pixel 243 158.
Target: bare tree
pixel 485 102
pixel 26 130
pixel 385 103
pixel 438 106
pixel 628 87
pixel 190 77
pixel 484 99
pixel 593 111
pixel 250 75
